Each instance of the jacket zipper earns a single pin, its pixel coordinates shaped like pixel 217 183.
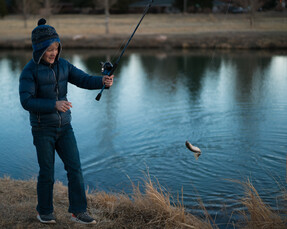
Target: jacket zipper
pixel 38 117
pixel 57 91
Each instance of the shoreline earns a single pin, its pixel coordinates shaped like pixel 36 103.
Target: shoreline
pixel 158 31
pixel 206 40
pixel 153 207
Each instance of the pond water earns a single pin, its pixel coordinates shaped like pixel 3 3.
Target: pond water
pixel 231 104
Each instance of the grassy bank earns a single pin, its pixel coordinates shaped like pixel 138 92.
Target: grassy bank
pixel 151 208
pixel 156 31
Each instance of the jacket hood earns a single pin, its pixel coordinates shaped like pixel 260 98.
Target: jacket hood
pixel 37 55
pixel 42 37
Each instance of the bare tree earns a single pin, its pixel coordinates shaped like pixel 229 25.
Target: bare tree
pixel 25 12
pixel 106 4
pixel 252 6
pixel 49 7
pixel 27 7
pixel 184 6
pixel 107 13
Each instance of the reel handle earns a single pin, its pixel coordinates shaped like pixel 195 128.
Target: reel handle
pixel 107 69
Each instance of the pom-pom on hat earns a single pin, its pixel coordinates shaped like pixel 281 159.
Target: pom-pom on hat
pixel 42 37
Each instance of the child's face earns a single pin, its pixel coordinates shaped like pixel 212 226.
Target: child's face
pixel 51 53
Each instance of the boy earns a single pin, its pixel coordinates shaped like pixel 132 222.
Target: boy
pixel 43 92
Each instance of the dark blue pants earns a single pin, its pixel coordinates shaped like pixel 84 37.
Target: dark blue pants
pixel 47 140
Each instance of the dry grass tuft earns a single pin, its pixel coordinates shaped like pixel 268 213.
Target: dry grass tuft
pixel 151 208
pixel 259 214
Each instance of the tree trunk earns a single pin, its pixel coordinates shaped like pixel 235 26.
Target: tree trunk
pixel 184 6
pixel 107 13
pixel 25 13
pixel 47 9
pixel 251 20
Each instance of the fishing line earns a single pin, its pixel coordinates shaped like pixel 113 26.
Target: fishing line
pixel 118 50
pixel 107 67
pixel 117 53
pixel 195 149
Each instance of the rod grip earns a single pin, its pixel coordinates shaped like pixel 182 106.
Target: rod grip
pixel 99 96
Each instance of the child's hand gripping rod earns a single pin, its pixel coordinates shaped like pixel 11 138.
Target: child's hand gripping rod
pixel 108 68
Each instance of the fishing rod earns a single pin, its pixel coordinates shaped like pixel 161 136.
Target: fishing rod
pixel 107 67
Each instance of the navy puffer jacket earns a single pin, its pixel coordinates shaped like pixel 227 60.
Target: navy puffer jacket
pixel 42 84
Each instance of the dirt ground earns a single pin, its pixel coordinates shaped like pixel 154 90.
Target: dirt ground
pixel 156 31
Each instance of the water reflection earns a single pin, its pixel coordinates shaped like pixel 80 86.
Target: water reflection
pixel 232 105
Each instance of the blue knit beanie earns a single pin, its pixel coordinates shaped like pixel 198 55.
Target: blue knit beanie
pixel 42 37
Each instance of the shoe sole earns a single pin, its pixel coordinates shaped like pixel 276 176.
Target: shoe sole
pixel 46 222
pixel 74 219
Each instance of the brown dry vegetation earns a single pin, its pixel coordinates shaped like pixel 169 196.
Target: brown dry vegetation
pixel 258 214
pixel 150 208
pixel 174 30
